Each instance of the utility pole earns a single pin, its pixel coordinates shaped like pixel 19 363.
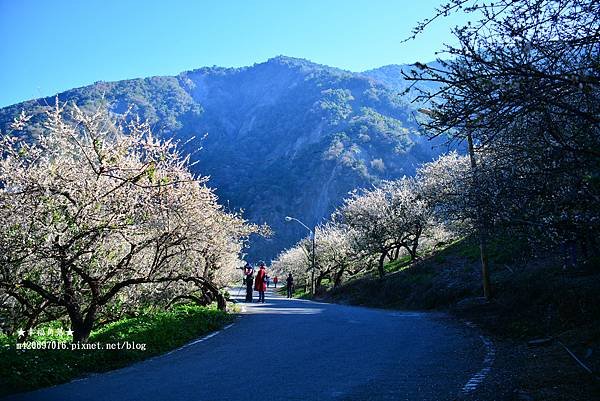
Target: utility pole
pixel 481 225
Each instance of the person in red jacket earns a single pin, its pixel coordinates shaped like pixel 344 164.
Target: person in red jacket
pixel 260 284
pixel 275 281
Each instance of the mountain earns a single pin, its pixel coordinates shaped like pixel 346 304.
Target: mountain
pixel 286 137
pixel 392 76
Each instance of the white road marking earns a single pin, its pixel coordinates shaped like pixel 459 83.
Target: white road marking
pixel 407 314
pixel 211 335
pixel 490 356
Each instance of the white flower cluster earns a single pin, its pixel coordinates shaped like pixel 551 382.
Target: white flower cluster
pixel 101 217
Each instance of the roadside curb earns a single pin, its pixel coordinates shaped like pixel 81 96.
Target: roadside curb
pixel 488 361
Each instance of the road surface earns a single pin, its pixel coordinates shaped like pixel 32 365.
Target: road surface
pixel 301 350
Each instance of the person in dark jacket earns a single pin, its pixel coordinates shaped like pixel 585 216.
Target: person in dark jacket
pixel 248 280
pixel 260 284
pixel 290 285
pixel 248 270
pixel 249 292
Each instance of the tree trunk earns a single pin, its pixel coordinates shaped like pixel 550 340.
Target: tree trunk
pixel 569 254
pixel 318 281
pixel 221 302
pixel 485 272
pixel 81 333
pixel 214 291
pixel 30 324
pixel 337 277
pixel 199 301
pixel 413 250
pixel 82 328
pixel 33 318
pixel 381 264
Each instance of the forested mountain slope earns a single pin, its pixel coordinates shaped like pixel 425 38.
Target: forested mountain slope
pixel 283 137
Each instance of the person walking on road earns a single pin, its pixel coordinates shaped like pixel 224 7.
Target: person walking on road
pixel 290 285
pixel 260 284
pixel 275 280
pixel 248 281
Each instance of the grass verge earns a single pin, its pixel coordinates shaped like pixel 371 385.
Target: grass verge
pixel 299 293
pixel 153 332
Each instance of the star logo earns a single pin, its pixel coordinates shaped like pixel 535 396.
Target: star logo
pixel 20 333
pixel 69 333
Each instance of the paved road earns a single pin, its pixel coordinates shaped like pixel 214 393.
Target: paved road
pixel 301 350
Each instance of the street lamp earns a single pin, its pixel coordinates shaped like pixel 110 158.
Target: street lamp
pixel 312 236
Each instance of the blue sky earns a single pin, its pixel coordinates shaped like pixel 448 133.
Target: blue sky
pixel 51 46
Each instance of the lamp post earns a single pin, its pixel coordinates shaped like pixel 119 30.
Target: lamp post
pixel 312 236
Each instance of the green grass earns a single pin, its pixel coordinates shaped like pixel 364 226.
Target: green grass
pixel 156 332
pixel 430 282
pixel 500 249
pixel 298 292
pixel 396 265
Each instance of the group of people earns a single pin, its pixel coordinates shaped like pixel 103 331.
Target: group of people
pixel 262 281
pixel 268 280
pixel 255 284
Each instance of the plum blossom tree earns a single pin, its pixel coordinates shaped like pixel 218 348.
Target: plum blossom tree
pixel 524 85
pixel 335 254
pixel 386 219
pixel 294 260
pixel 99 214
pixel 447 185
